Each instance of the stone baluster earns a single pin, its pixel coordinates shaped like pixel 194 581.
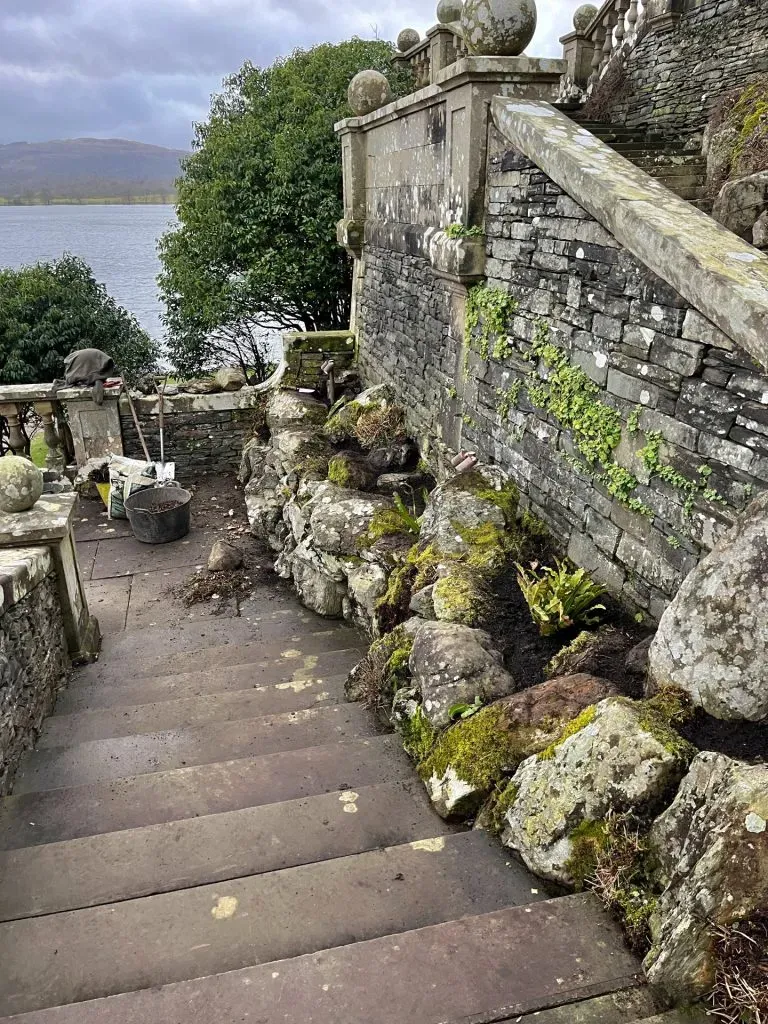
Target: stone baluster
pixel 597 57
pixel 609 22
pixel 16 440
pixel 631 19
pixel 621 25
pixel 55 457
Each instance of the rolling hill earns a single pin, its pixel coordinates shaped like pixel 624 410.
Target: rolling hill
pixel 87 170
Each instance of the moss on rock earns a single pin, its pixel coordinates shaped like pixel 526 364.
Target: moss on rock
pixel 341 425
pixel 460 596
pixel 418 736
pixel 581 721
pixel 506 498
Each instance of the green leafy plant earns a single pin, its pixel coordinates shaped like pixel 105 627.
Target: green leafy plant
pixel 489 310
pixel 460 712
pixel 561 597
pixel 461 231
pixel 410 521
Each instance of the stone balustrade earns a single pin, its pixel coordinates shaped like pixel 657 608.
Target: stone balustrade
pixel 15 399
pixel 590 47
pixel 441 48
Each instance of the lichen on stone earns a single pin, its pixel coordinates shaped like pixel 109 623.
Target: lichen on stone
pixel 341 425
pixel 506 498
pixel 581 721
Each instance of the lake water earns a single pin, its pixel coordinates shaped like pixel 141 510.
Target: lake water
pixel 118 242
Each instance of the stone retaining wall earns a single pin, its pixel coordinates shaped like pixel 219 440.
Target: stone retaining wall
pixel 203 433
pixel 33 653
pixel 686 395
pixel 674 79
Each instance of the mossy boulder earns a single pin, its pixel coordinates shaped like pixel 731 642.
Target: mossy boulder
pixel 552 704
pixel 617 757
pixel 711 847
pixel 461 596
pixel 287 409
pixel 453 664
pixel 465 504
pixel 352 471
pixel 340 517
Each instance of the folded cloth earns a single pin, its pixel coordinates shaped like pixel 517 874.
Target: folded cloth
pixel 87 366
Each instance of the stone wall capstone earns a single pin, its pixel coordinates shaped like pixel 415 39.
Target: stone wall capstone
pixel 673 79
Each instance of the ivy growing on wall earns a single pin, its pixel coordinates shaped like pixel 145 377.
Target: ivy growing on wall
pixel 489 311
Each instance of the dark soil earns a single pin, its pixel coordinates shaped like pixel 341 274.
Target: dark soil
pixel 745 741
pixel 165 506
pixel 527 653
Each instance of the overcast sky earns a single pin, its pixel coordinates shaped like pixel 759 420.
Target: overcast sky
pixel 145 69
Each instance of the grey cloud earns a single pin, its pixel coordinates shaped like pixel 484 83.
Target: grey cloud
pixel 145 69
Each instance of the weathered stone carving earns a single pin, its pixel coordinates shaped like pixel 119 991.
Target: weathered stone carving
pixel 368 91
pixel 498 28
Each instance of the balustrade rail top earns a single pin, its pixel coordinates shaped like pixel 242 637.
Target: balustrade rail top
pixel 493 69
pixel 27 393
pixel 597 21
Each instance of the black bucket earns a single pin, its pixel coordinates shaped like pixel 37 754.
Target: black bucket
pixel 151 522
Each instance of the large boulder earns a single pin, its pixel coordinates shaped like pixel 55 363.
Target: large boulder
pixel 452 664
pixel 265 498
pixel 291 409
pixel 741 202
pixel 557 700
pixel 615 757
pixel 340 517
pixel 457 508
pixel 366 584
pixel 320 581
pixel 712 848
pixel 224 557
pixel 253 460
pixel 712 641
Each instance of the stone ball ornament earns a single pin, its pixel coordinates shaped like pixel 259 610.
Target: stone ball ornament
pixel 21 484
pixel 368 91
pixel 407 39
pixel 498 28
pixel 449 11
pixel 584 17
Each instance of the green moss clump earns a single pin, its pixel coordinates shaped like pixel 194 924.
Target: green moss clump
pixel 425 562
pixel 313 458
pixel 479 749
pixel 588 842
pixel 563 661
pixel 338 472
pixel 419 737
pixel 489 546
pixel 573 727
pixel 461 597
pixel 658 717
pixel 507 498
pixel 393 605
pixel 341 425
pixel 385 669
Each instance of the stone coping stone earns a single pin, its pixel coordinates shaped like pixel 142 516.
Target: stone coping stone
pixel 468 69
pixel 27 393
pixel 21 569
pixel 721 275
pixel 218 401
pixel 50 519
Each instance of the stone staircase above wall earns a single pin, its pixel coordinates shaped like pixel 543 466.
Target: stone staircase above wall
pixel 661 157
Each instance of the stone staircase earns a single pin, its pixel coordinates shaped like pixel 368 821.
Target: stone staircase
pixel 207 832
pixel 683 173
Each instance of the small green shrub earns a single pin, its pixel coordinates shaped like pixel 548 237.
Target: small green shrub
pixel 561 597
pixel 460 231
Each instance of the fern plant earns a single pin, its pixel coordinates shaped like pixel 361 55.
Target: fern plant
pixel 411 523
pixel 561 597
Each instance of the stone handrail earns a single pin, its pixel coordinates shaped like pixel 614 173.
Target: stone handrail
pixel 722 276
pixel 590 48
pixel 44 400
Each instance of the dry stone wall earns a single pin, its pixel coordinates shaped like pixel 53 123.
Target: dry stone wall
pixel 674 79
pixel 33 665
pixel 685 395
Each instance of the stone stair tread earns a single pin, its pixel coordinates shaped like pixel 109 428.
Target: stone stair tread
pixel 217 657
pixel 158 940
pixel 214 848
pixel 484 967
pixel 125 756
pixel 61 814
pixel 626 1006
pixel 84 696
pixel 189 712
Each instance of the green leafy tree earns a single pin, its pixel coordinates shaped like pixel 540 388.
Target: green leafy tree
pixel 50 309
pixel 258 202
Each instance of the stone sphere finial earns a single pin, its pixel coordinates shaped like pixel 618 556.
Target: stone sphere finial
pixel 498 28
pixel 449 11
pixel 368 91
pixel 21 484
pixel 407 39
pixel 584 17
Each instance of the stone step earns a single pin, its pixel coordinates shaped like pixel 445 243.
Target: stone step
pixel 125 756
pixel 214 848
pixel 219 656
pixel 138 944
pixel 188 712
pixel 485 967
pixel 86 696
pixel 624 1007
pixel 61 814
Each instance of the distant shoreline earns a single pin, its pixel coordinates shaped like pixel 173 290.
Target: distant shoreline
pixel 151 200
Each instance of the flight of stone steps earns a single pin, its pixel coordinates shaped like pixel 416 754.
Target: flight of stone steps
pixel 683 173
pixel 207 833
